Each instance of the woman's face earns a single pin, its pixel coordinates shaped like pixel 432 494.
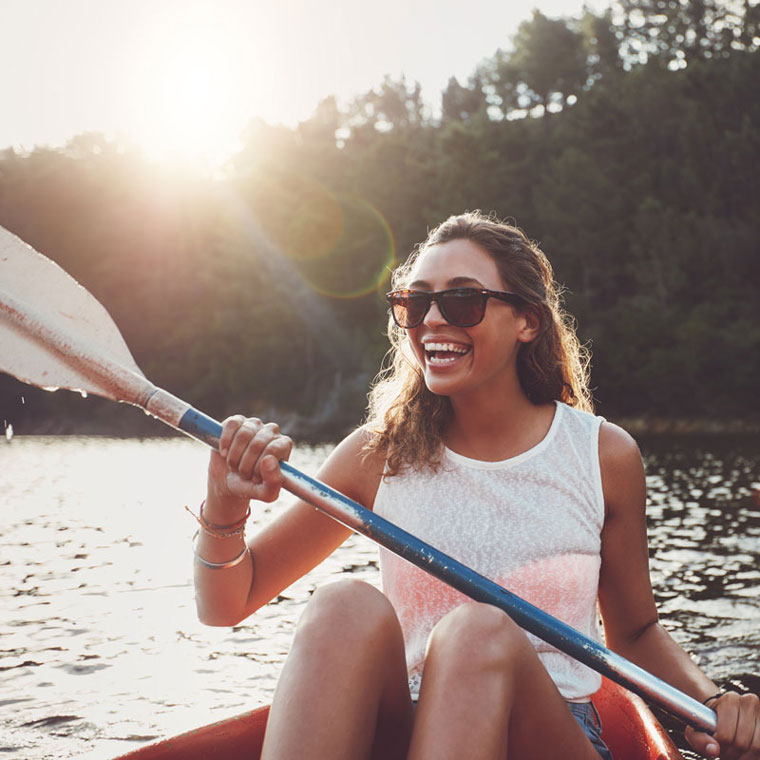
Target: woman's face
pixel 462 359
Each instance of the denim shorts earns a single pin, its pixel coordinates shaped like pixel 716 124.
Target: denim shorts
pixel 588 718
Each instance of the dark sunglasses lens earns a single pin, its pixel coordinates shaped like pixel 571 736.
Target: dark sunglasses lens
pixel 462 308
pixel 409 309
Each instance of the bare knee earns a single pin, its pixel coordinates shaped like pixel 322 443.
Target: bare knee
pixel 349 611
pixel 479 635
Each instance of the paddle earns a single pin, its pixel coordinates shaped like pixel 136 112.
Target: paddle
pixel 54 334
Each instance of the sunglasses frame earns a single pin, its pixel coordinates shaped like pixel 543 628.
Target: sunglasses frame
pixel 439 295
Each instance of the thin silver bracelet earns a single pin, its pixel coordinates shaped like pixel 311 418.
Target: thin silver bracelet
pixel 218 565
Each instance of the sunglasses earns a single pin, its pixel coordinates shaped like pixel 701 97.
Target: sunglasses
pixel 461 307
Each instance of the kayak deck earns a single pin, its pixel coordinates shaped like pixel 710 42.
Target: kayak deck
pixel 630 731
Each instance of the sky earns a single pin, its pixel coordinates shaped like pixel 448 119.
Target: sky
pixel 184 77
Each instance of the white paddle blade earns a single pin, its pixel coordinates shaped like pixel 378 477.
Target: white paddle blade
pixel 53 333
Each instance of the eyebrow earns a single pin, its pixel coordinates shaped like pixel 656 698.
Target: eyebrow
pixel 452 283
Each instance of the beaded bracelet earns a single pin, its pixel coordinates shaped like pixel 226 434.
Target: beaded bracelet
pixel 220 531
pixel 218 565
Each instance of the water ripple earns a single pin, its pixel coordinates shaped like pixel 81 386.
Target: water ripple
pixel 101 650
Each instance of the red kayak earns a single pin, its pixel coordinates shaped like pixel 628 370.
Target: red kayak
pixel 630 731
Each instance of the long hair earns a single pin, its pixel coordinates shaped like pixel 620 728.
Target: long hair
pixel 406 419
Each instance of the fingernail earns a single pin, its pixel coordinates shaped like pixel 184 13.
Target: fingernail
pixel 223 452
pixel 712 749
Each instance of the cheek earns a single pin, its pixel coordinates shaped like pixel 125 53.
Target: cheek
pixel 496 343
pixel 412 349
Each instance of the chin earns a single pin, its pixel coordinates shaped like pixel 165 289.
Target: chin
pixel 440 386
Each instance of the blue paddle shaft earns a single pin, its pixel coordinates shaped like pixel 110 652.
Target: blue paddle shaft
pixel 476 586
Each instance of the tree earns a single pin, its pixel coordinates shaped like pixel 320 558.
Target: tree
pixel 549 58
pixel 324 123
pixel 501 83
pixel 460 103
pixel 602 42
pixel 680 31
pixel 394 105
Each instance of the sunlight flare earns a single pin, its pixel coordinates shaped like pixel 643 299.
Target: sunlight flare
pixel 193 99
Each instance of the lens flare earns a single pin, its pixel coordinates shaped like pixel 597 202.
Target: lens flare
pixel 361 259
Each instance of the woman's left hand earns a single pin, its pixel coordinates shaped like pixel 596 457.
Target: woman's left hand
pixel 738 734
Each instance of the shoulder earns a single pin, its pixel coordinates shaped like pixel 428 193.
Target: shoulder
pixel 617 446
pixel 352 469
pixel 622 470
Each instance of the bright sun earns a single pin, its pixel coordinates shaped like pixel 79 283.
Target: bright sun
pixel 191 99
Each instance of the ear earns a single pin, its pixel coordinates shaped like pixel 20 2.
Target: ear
pixel 530 326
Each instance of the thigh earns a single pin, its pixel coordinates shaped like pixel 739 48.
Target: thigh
pixel 486 692
pixel 343 691
pixel 540 724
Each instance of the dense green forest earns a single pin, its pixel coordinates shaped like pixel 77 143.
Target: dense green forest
pixel 625 143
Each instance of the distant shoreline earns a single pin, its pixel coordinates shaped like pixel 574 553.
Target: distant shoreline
pixel 307 430
pixel 684 426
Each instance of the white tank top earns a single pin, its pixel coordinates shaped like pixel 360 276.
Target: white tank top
pixel 531 523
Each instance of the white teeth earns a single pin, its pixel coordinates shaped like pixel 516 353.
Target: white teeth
pixel 453 347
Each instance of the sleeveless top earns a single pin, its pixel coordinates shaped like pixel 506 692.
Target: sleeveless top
pixel 531 523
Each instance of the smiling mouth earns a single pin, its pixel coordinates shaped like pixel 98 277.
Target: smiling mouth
pixel 442 354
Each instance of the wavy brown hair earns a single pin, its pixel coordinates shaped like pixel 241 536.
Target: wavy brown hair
pixel 406 419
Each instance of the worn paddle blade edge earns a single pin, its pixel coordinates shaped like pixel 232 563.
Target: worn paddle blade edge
pixel 49 324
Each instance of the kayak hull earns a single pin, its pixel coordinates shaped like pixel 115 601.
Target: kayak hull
pixel 629 730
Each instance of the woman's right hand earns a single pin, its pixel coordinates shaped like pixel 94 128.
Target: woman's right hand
pixel 246 465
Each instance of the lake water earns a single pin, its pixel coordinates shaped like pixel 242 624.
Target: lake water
pixel 100 649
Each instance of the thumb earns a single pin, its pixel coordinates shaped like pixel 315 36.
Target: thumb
pixel 238 486
pixel 270 469
pixel 702 742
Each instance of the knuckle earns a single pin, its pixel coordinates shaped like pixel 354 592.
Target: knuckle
pixel 283 445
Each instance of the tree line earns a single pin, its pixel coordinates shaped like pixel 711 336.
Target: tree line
pixel 626 143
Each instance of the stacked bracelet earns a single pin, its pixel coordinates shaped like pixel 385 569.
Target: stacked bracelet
pixel 218 565
pixel 220 531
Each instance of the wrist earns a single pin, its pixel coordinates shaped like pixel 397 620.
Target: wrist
pixel 709 700
pixel 224 509
pixel 220 530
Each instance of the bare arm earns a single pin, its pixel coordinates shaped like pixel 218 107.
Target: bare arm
pixel 288 547
pixel 628 609
pixel 625 592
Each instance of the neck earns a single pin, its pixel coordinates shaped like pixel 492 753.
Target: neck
pixel 496 426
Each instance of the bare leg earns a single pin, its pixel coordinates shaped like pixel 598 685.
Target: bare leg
pixel 486 696
pixel 344 681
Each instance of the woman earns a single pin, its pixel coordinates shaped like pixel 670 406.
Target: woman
pixel 480 440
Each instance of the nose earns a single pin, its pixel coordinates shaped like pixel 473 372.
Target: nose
pixel 434 316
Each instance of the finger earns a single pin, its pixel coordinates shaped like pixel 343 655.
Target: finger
pixel 242 487
pixel 727 709
pixel 241 440
pixel 249 461
pixel 754 753
pixel 747 727
pixel 268 466
pixel 239 486
pixel 702 743
pixel 229 428
pixel 270 473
